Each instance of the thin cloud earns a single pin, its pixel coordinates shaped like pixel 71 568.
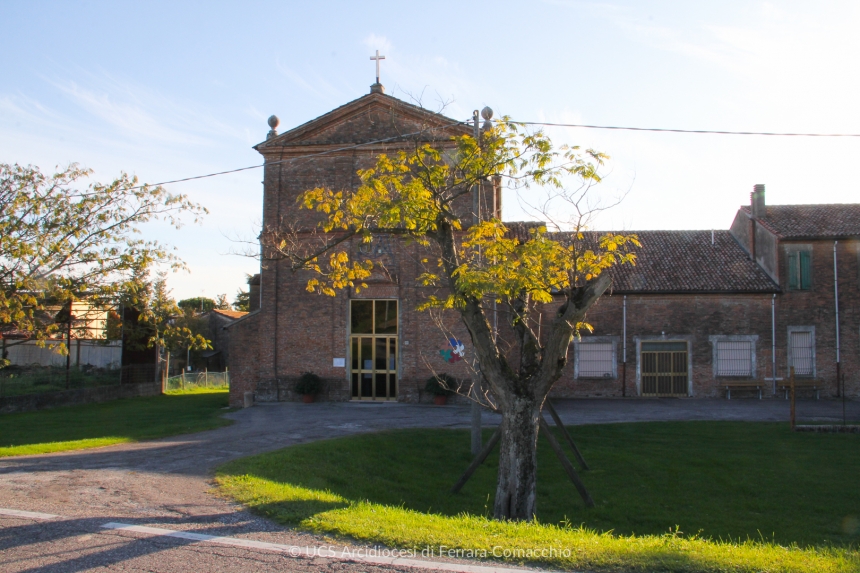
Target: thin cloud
pixel 135 109
pixel 311 82
pixel 375 42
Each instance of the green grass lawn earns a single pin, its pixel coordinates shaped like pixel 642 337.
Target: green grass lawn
pixel 686 496
pixel 95 425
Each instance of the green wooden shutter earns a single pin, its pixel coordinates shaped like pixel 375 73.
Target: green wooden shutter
pixel 805 270
pixel 792 271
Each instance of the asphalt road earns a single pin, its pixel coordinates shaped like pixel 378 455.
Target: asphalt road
pixel 152 495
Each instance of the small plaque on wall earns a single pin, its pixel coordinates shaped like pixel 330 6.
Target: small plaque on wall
pixel 339 363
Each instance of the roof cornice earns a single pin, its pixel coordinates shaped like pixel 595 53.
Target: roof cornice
pixel 367 102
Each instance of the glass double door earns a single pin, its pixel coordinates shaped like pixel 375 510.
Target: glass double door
pixel 373 369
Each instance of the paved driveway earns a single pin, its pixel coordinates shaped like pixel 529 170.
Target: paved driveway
pixel 167 484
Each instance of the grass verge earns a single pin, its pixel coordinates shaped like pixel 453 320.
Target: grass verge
pixel 96 425
pixel 700 496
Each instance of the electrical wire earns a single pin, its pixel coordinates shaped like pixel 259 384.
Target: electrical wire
pixel 538 123
pixel 696 131
pixel 326 152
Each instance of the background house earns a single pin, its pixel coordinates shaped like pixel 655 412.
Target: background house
pixel 89 345
pixel 217 359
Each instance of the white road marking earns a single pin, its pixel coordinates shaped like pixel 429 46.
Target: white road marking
pixel 353 554
pixel 27 514
pixel 345 554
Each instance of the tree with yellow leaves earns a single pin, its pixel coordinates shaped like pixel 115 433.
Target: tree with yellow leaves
pixel 425 195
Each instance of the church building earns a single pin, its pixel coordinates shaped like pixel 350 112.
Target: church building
pixel 702 314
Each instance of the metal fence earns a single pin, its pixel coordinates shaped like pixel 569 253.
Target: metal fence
pixel 35 379
pixel 192 380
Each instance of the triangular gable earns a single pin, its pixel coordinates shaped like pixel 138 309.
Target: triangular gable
pixel 373 117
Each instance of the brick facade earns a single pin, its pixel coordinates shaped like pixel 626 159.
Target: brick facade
pixel 696 288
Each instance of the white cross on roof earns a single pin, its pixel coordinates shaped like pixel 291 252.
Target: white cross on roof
pixel 377 57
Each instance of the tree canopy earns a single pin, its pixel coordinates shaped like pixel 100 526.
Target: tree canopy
pixel 242 302
pixel 63 239
pixel 202 304
pixel 479 262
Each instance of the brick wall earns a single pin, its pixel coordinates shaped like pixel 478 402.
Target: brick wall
pixel 816 307
pixel 312 330
pixel 244 357
pixel 682 317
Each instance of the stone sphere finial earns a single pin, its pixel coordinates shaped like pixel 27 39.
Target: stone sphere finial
pixel 487 114
pixel 274 122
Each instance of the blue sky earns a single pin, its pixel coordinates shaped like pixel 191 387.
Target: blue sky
pixel 166 90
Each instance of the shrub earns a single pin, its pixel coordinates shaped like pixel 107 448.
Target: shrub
pixel 309 383
pixel 441 385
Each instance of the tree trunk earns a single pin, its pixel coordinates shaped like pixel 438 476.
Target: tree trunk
pixel 517 480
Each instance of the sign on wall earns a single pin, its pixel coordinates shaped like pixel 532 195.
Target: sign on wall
pixel 455 352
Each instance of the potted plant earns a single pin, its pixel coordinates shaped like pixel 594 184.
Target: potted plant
pixel 308 385
pixel 441 386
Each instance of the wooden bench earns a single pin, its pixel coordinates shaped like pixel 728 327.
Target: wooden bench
pixel 742 385
pixel 801 385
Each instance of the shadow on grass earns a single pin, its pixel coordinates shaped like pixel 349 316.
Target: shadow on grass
pixel 719 480
pixel 297 510
pixel 130 419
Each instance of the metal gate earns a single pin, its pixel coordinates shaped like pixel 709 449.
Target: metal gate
pixel 664 368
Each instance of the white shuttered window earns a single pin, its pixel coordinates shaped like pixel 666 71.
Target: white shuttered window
pixel 802 353
pixel 596 359
pixel 734 358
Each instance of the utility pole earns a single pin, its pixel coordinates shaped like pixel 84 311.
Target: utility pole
pixel 475 394
pixel 477 217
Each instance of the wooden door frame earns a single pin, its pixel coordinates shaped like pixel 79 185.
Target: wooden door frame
pixel 373 336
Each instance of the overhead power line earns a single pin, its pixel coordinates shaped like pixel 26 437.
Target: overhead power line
pixel 302 157
pixel 538 123
pixel 699 131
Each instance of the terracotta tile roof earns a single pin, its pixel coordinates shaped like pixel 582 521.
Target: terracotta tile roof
pixel 521 230
pixel 234 314
pixel 812 221
pixel 678 261
pixel 686 261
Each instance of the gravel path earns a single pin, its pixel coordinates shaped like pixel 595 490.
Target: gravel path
pixel 167 483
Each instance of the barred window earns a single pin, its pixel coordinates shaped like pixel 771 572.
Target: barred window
pixel 595 359
pixel 802 352
pixel 734 358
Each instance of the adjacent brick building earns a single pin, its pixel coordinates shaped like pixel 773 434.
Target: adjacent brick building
pixel 698 310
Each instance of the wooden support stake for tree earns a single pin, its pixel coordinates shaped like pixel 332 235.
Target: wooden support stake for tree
pixel 69 349
pixel 479 459
pixel 476 420
pixel 565 433
pixel 565 463
pixel 791 382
